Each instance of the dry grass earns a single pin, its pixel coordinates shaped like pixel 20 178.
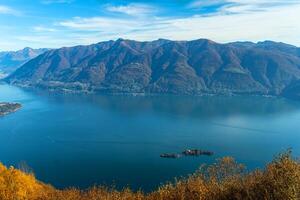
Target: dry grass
pixel 224 180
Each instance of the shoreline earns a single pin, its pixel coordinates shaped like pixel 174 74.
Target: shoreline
pixel 65 90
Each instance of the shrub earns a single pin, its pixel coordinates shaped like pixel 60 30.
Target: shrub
pixel 226 179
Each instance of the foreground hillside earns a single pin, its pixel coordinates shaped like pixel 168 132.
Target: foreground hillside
pixel 164 66
pixel 222 181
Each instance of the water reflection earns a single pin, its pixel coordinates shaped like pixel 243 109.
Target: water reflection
pixel 191 106
pixel 118 138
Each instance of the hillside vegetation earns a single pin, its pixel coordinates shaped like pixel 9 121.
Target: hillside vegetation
pixel 6 108
pixel 164 66
pixel 226 179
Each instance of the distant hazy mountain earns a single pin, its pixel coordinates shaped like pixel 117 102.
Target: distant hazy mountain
pixel 164 66
pixel 11 60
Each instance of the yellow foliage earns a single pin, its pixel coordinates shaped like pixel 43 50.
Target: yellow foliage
pixel 223 180
pixel 17 185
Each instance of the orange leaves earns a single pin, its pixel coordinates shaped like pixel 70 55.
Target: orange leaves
pixel 15 184
pixel 223 180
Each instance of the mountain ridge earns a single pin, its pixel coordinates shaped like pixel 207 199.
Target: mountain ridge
pixel 11 60
pixel 165 66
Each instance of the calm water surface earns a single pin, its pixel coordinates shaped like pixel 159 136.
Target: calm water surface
pixel 82 140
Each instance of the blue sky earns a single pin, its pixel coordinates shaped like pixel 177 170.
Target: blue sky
pixel 57 23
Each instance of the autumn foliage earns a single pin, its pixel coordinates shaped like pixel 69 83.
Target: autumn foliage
pixel 223 180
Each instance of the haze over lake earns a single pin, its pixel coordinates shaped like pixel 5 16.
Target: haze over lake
pixel 82 140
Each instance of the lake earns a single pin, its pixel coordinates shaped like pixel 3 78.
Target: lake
pixel 82 140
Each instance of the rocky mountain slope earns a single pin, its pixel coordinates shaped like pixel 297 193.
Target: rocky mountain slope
pixel 11 60
pixel 164 66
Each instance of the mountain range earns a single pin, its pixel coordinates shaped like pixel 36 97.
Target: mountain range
pixel 11 60
pixel 164 66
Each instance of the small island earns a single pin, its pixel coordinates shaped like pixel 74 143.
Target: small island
pixel 7 108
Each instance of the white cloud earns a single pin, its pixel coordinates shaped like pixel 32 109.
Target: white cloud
pixel 102 24
pixel 46 41
pixel 8 10
pixel 43 29
pixel 277 22
pixel 240 6
pixel 132 9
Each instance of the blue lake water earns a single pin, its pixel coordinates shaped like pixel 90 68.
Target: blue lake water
pixel 83 140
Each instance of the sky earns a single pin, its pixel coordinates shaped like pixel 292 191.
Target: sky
pixel 58 23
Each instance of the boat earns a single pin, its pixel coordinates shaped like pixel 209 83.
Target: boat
pixel 196 152
pixel 170 155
